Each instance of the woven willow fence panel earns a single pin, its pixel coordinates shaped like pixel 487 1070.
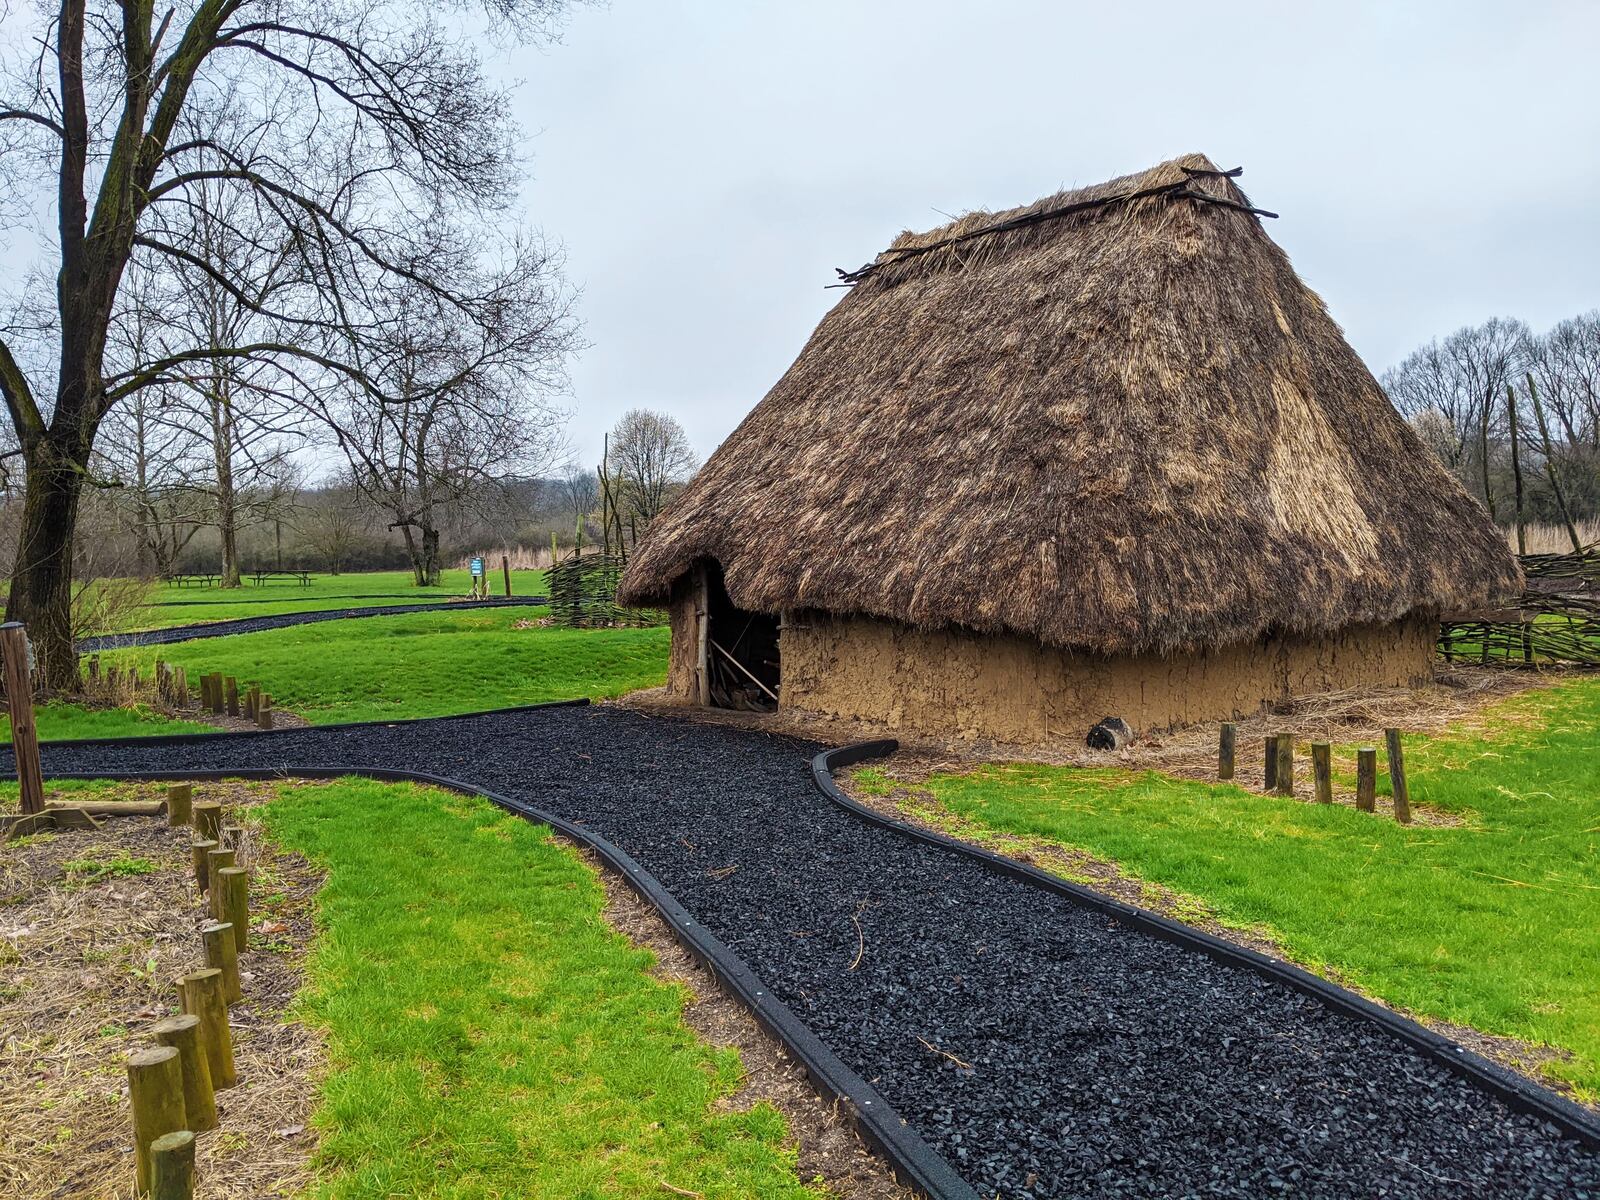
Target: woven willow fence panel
pixel 583 594
pixel 1556 622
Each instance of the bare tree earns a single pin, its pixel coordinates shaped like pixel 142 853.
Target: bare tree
pixel 341 119
pixel 649 456
pixel 581 492
pixel 471 406
pixel 334 522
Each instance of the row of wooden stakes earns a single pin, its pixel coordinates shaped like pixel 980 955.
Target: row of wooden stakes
pixel 217 692
pixel 1278 749
pixel 172 1085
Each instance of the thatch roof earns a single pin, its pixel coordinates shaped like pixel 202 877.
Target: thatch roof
pixel 1131 427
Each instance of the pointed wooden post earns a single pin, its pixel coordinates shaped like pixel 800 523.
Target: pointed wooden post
pixel 1225 748
pixel 1322 771
pixel 18 667
pixel 1366 779
pixel 1397 776
pixel 1285 775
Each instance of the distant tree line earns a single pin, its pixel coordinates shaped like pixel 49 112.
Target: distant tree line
pixel 1515 416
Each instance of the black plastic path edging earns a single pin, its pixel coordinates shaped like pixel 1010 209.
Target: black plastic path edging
pixel 171 739
pixel 915 1163
pixel 1514 1091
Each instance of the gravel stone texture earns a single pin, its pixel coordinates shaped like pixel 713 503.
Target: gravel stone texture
pixel 1042 1049
pixel 211 629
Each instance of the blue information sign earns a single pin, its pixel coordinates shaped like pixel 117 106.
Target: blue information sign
pixel 477 568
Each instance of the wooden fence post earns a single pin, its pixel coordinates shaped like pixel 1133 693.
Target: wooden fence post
pixel 19 702
pixel 207 820
pixel 232 902
pixel 1397 776
pixel 201 850
pixel 1269 773
pixel 223 954
pixel 172 1160
pixel 230 691
pixel 264 715
pixel 1225 748
pixel 216 860
pixel 1366 779
pixel 182 1033
pixel 180 804
pixel 201 994
pixel 1322 771
pixel 180 688
pixel 505 568
pixel 155 1093
pixel 1285 777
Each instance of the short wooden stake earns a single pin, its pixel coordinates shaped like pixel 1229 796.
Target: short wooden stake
pixel 1322 771
pixel 182 1033
pixel 19 704
pixel 231 903
pixel 180 688
pixel 172 1160
pixel 216 860
pixel 202 863
pixel 1285 777
pixel 218 705
pixel 1366 779
pixel 1269 776
pixel 207 820
pixel 180 803
pixel 230 690
pixel 1225 747
pixel 223 954
pixel 264 717
pixel 1397 776
pixel 201 994
pixel 155 1093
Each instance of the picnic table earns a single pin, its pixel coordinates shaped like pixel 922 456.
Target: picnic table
pixel 205 578
pixel 260 577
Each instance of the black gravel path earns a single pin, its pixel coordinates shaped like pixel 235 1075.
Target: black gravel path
pixel 1103 1062
pixel 210 629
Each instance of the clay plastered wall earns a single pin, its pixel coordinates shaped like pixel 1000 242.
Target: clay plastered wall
pixel 683 658
pixel 1015 690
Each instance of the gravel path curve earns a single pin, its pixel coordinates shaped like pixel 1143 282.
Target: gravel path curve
pixel 210 629
pixel 1042 1049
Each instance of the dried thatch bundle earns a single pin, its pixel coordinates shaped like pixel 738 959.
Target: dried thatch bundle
pixel 1128 428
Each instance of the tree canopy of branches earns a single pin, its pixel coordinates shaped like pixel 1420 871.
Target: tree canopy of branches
pixel 648 455
pixel 1499 404
pixel 350 129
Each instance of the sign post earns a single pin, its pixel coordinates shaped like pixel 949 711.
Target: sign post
pixel 18 667
pixel 480 586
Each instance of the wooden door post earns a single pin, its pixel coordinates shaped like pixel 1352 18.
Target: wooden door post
pixel 702 620
pixel 19 701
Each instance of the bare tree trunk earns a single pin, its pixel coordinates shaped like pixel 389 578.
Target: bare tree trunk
pixel 429 570
pixel 227 502
pixel 1516 467
pixel 1483 452
pixel 41 581
pixel 1550 467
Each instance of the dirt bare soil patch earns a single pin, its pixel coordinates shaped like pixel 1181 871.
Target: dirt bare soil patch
pixel 95 925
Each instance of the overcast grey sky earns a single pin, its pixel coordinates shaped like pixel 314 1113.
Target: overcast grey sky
pixel 708 165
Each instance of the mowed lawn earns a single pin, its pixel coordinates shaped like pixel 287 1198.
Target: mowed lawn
pixel 488 1033
pixel 1493 922
pixel 423 664
pixel 169 604
pixel 58 720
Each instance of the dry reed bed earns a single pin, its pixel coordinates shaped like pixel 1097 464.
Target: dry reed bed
pixel 87 967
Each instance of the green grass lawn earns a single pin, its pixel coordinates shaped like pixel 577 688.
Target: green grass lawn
pixel 1493 922
pixel 58 720
pixel 170 604
pixel 488 1034
pixel 424 664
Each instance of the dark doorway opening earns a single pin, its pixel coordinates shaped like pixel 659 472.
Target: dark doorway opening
pixel 741 651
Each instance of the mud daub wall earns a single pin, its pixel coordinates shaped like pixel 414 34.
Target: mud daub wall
pixel 1013 689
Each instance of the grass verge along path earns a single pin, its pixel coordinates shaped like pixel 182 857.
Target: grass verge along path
pixel 59 719
pixel 1492 921
pixel 424 664
pixel 488 1033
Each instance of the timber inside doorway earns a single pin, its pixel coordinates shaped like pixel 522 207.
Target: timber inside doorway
pixel 737 650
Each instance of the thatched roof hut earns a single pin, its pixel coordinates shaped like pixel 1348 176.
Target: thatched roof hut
pixel 1113 422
